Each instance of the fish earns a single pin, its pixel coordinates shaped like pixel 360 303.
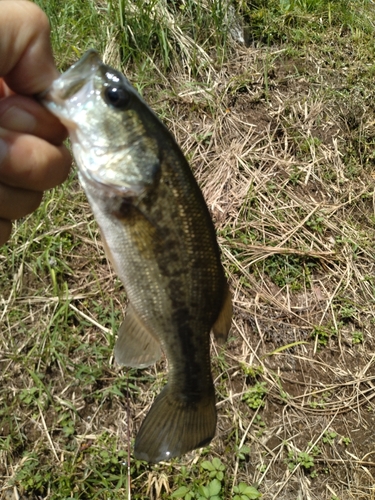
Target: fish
pixel 160 239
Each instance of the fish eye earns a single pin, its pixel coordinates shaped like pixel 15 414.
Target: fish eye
pixel 116 97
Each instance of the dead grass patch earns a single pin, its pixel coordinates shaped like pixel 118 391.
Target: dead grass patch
pixel 273 147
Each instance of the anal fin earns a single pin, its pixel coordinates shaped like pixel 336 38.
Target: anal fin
pixel 222 324
pixel 175 426
pixel 136 346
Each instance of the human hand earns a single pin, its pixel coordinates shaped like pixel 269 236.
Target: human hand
pixel 32 157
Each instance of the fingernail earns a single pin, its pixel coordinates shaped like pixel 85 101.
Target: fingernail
pixel 18 120
pixel 3 150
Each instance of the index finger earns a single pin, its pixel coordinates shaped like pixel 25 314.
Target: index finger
pixel 26 60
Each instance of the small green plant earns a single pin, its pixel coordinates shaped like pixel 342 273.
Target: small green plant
pixel 245 492
pixel 301 458
pixel 347 312
pixel 329 437
pixel 316 223
pixel 243 452
pixel 252 371
pixel 345 440
pixel 211 491
pixel 295 176
pixel 323 334
pixel 291 270
pixel 321 401
pixel 315 450
pixel 260 424
pixel 67 424
pixel 254 396
pixel 309 144
pixel 30 396
pixel 31 476
pixel 357 337
pixel 215 468
pixel 183 492
pixel 262 468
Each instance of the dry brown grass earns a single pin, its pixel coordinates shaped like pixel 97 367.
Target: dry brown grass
pixel 277 147
pixel 275 177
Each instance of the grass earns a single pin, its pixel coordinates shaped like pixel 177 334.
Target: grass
pixel 280 133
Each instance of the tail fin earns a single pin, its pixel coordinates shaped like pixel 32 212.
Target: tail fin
pixel 173 427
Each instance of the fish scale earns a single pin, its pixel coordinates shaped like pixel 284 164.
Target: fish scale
pixel 160 239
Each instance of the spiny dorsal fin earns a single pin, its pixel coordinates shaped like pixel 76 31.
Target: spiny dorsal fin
pixel 174 426
pixel 222 324
pixel 136 346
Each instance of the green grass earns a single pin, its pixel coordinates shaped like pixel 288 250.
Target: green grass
pixel 280 135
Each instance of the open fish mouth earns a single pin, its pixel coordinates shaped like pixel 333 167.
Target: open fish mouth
pixel 73 85
pixel 73 79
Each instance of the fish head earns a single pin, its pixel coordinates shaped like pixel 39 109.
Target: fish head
pixel 106 120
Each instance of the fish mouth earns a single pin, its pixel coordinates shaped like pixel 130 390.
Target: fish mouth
pixel 69 84
pixel 73 79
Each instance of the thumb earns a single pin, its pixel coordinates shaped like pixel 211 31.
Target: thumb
pixel 26 60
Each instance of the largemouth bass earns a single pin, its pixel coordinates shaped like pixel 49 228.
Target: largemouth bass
pixel 160 239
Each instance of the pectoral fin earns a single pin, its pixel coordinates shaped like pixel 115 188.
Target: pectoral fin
pixel 222 324
pixel 136 346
